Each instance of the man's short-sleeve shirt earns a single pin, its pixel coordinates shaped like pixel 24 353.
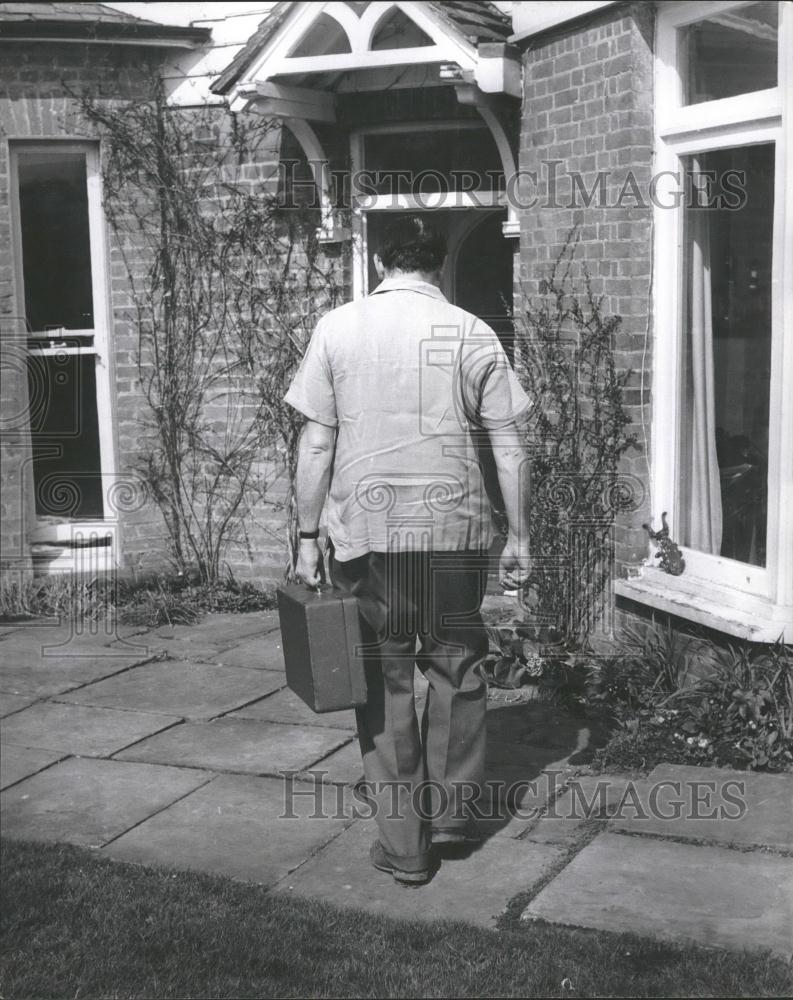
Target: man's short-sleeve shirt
pixel 415 386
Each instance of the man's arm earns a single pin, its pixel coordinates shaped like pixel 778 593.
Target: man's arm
pixel 314 461
pixel 512 466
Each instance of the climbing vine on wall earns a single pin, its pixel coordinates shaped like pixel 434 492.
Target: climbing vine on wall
pixel 226 286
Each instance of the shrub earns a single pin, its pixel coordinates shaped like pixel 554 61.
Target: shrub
pixel 577 434
pixel 739 714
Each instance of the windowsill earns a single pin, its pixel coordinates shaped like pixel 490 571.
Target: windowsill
pixel 78 547
pixel 755 619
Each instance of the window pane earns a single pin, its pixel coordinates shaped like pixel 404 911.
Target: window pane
pixel 731 53
pixel 65 435
pixel 726 362
pixel 56 248
pixel 427 162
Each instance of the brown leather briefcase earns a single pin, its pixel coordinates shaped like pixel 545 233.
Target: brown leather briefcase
pixel 321 638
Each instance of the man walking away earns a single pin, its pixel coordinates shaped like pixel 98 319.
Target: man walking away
pixel 401 391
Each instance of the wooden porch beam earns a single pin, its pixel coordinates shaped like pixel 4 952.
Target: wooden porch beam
pixel 298 102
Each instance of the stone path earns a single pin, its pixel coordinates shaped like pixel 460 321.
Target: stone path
pixel 183 746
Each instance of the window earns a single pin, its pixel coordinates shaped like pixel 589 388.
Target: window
pixel 731 52
pixel 60 274
pixel 722 465
pixel 450 169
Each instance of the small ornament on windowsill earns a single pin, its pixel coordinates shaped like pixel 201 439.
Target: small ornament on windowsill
pixel 669 555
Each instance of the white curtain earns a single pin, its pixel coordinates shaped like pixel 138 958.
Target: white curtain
pixel 703 511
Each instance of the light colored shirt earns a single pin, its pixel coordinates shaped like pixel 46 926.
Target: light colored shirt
pixel 414 385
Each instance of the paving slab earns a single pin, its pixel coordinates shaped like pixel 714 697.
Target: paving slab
pixel 678 892
pixel 219 629
pixel 79 729
pixel 175 687
pixel 238 826
pixel 26 672
pixel 262 652
pixel 17 763
pixel 10 703
pixel 717 805
pixel 89 802
pixel 238 745
pixel 584 798
pixel 526 738
pixel 67 639
pixel 343 766
pixel 286 706
pixel 475 889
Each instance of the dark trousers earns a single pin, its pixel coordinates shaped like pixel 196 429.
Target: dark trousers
pixel 420 778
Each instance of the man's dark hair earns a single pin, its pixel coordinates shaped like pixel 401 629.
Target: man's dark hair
pixel 409 244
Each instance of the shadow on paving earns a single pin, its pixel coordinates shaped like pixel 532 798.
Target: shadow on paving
pixel 529 744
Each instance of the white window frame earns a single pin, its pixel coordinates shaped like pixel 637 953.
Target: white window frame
pixel 41 530
pixel 485 201
pixel 748 601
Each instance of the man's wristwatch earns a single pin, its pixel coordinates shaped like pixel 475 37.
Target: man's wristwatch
pixel 309 534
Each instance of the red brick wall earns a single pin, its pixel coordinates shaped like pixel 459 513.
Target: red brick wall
pixel 588 103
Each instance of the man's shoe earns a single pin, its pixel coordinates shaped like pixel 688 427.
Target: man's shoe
pixel 405 878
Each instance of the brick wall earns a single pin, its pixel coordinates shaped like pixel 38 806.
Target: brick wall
pixel 588 106
pixel 36 83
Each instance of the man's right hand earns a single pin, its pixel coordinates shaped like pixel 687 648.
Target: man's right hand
pixel 515 563
pixel 310 565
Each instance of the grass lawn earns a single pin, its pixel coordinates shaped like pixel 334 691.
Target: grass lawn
pixel 78 926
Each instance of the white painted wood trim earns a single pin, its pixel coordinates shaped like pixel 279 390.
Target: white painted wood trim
pixel 677 15
pixel 273 60
pixel 318 162
pixel 102 325
pixel 102 339
pixel 700 601
pixel 297 102
pixel 356 60
pixel 360 255
pixel 746 134
pixel 732 112
pixel 505 152
pixel 461 50
pixel 780 512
